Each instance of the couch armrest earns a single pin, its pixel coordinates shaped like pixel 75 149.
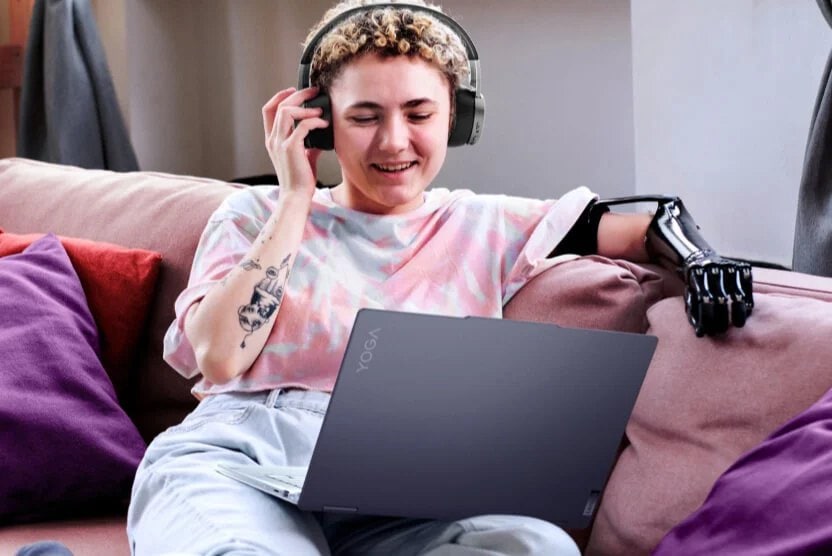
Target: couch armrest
pixel 593 292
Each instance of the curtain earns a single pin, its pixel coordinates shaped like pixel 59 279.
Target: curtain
pixel 812 252
pixel 69 113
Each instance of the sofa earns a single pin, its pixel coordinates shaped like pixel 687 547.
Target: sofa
pixel 704 404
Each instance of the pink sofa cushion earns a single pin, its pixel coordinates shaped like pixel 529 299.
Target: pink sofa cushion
pixel 705 402
pixel 590 292
pixel 66 444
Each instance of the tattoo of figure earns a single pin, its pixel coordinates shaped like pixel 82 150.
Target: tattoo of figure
pixel 251 264
pixel 265 299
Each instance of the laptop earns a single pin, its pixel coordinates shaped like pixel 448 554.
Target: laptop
pixel 448 417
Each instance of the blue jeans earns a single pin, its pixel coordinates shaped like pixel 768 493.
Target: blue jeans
pixel 44 548
pixel 182 505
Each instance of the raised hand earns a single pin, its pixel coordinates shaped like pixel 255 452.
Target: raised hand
pixel 286 124
pixel 718 293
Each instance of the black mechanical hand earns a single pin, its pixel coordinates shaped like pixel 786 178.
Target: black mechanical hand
pixel 718 290
pixel 718 293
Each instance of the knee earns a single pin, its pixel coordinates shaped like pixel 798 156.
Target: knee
pixel 44 548
pixel 525 535
pixel 543 537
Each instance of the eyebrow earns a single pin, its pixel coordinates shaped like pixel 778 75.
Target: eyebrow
pixel 375 106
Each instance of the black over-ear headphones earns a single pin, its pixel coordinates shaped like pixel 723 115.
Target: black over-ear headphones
pixel 470 104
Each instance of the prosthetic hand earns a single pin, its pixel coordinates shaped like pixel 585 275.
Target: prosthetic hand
pixel 718 290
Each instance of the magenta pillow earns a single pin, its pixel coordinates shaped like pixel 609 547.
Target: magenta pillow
pixel 773 500
pixel 66 444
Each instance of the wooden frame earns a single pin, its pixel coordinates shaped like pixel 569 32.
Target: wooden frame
pixel 11 54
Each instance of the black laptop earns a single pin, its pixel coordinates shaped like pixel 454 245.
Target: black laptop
pixel 446 417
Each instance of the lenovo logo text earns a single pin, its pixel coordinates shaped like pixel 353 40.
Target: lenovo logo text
pixel 367 355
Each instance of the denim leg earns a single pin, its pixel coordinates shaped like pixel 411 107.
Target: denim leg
pixel 503 535
pixel 182 505
pixel 44 548
pixel 488 535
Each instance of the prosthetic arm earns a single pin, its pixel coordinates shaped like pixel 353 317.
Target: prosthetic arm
pixel 718 290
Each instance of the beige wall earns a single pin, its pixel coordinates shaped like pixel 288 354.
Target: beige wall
pixel 723 97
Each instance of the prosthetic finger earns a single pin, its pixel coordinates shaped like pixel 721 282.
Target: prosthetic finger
pixel 717 317
pixel 745 287
pixel 693 300
pixel 736 289
pixel 738 314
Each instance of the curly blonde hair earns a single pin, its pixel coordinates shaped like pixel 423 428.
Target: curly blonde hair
pixel 387 31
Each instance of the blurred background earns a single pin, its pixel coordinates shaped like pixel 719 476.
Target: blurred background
pixel 711 100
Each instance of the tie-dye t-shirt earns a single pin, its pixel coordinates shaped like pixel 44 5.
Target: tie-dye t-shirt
pixel 458 254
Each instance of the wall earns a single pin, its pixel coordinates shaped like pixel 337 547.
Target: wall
pixel 723 97
pixel 557 78
pixel 198 74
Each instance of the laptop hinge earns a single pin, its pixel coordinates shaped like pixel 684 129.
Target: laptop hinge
pixel 340 509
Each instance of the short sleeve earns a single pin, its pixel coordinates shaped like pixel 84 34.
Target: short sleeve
pixel 534 228
pixel 226 239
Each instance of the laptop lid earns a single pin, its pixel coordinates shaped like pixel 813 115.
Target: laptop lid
pixel 445 417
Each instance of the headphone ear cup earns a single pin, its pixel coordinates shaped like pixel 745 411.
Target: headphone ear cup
pixel 322 139
pixel 463 118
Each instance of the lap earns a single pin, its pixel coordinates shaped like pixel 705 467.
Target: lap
pixel 182 505
pixel 485 535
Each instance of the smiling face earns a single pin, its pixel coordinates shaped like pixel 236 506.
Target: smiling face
pixel 390 121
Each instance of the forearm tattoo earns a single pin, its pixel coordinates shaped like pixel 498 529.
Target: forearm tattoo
pixel 265 299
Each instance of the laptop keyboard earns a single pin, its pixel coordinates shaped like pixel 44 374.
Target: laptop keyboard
pixel 294 480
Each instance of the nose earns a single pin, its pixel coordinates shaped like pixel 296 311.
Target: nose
pixel 394 134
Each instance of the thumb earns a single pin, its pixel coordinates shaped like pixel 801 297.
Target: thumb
pixel 312 156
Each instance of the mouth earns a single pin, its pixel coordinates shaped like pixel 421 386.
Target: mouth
pixel 394 168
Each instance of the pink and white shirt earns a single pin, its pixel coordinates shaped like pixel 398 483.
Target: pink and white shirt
pixel 458 254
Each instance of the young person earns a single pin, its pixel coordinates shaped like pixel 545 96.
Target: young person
pixel 268 347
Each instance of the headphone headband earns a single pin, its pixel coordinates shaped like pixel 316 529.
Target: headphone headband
pixel 305 70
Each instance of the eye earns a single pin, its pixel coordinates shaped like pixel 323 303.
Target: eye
pixel 363 120
pixel 420 116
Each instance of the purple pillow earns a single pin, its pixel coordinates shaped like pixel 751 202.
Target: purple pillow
pixel 66 444
pixel 773 500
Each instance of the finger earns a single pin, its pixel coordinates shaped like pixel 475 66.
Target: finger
pixel 312 155
pixel 738 314
pixel 733 288
pixel 270 108
pixel 707 318
pixel 694 311
pixel 694 300
pixel 738 286
pixel 715 299
pixel 720 319
pixel 745 281
pixel 298 97
pixel 303 128
pixel 286 97
pixel 289 116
